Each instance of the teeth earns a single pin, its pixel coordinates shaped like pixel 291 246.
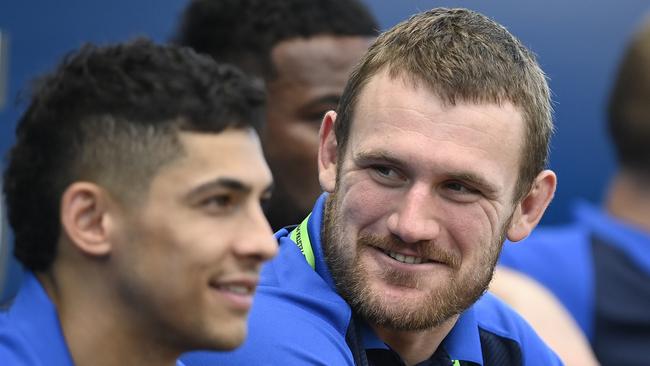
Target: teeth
pixel 240 290
pixel 405 258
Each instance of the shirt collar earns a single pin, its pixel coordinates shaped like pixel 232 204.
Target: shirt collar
pixel 370 339
pixel 462 343
pixel 36 318
pixel 314 226
pixel 628 238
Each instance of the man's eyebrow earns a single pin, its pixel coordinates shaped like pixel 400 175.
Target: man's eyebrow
pixel 223 182
pixel 365 157
pixel 227 183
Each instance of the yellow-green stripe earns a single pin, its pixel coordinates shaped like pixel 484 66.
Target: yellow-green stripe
pixel 300 236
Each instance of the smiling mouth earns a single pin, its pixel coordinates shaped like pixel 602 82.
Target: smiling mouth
pixel 407 259
pixel 237 289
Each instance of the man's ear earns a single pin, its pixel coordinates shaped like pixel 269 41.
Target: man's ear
pixel 327 151
pixel 530 209
pixel 86 218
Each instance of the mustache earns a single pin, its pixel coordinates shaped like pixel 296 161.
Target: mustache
pixel 424 249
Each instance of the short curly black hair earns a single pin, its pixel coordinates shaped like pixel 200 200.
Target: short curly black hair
pixel 111 115
pixel 243 32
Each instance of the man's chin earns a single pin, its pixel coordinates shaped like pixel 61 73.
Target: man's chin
pixel 392 292
pixel 399 314
pixel 229 341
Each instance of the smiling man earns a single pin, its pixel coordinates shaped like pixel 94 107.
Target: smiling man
pixel 303 51
pixel 435 155
pixel 134 191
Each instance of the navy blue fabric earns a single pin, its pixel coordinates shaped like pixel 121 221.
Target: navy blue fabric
pixel 385 357
pixel 599 268
pixel 499 350
pixel 622 323
pixel 298 318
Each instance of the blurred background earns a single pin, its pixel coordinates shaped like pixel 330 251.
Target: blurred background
pixel 578 44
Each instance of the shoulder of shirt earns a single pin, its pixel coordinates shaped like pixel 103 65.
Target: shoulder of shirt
pixel 496 317
pixel 14 348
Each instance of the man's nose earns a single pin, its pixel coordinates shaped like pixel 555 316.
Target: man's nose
pixel 258 241
pixel 414 218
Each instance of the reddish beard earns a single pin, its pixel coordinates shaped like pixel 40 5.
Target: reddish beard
pixel 456 293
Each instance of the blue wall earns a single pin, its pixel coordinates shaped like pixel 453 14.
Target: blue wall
pixel 578 43
pixel 42 31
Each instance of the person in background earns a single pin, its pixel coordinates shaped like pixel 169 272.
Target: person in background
pixel 435 155
pixel 599 265
pixel 545 313
pixel 135 169
pixel 303 52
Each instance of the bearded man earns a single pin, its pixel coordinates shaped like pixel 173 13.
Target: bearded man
pixel 435 155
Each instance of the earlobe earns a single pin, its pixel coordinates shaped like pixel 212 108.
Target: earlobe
pixel 531 208
pixel 327 153
pixel 84 218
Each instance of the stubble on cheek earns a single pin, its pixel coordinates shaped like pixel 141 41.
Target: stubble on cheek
pixel 362 281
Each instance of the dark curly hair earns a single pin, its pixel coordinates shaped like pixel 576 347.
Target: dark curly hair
pixel 243 32
pixel 111 115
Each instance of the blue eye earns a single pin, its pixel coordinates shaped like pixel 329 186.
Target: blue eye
pixel 387 175
pixel 383 170
pixel 458 191
pixel 455 186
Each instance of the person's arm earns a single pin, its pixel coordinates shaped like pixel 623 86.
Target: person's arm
pixel 546 315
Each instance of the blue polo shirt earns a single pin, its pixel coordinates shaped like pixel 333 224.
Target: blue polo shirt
pixel 599 268
pixel 298 318
pixel 30 332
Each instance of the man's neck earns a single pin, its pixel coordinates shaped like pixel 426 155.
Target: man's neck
pixel 416 346
pixel 629 199
pixel 96 329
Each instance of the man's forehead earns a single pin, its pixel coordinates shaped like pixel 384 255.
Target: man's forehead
pixel 236 150
pixel 210 161
pixel 390 86
pixel 388 107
